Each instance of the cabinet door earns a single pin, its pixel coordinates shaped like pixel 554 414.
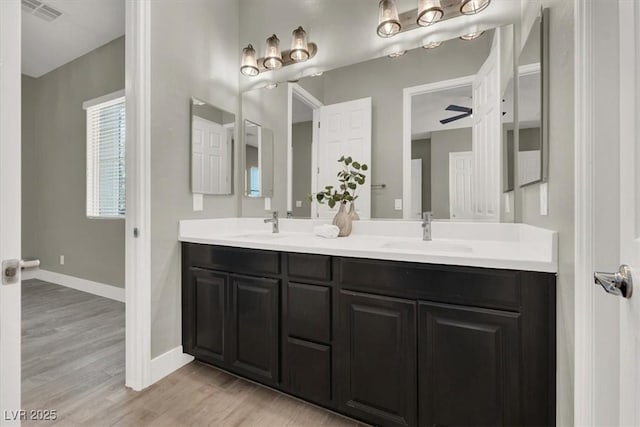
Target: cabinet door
pixel 469 366
pixel 204 305
pixel 376 358
pixel 254 332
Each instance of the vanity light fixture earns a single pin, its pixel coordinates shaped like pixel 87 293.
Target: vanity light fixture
pixel 432 45
pixel 472 36
pixel 397 54
pixel 388 20
pixel 471 7
pixel 249 65
pixel 429 12
pixel 274 58
pixel 272 55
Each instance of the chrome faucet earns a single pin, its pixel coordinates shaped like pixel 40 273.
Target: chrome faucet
pixel 426 225
pixel 275 227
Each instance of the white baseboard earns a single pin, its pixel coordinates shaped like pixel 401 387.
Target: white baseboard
pixel 168 362
pixel 89 286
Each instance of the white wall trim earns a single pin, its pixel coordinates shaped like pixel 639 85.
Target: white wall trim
pixel 584 352
pixel 168 362
pixel 84 285
pixel 138 249
pixel 407 94
pixel 313 103
pixel 102 99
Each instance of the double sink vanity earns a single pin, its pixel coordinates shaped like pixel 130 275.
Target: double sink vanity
pixel 380 326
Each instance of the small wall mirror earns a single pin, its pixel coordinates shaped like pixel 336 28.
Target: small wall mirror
pixel 532 109
pixel 212 140
pixel 258 160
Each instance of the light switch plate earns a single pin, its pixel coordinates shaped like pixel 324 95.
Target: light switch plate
pixel 398 204
pixel 544 199
pixel 198 202
pixel 267 203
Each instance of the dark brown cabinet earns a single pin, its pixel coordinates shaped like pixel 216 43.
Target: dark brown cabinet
pixel 254 327
pixel 376 363
pixel 389 343
pixel 469 366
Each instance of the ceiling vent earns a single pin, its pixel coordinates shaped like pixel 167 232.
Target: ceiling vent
pixel 41 10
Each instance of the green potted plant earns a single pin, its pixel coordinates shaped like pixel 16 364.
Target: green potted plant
pixel 350 177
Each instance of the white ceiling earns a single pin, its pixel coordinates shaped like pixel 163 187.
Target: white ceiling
pixel 345 31
pixel 84 26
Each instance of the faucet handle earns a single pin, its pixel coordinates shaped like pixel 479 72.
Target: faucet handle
pixel 275 214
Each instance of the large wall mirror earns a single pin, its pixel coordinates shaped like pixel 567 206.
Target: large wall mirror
pixel 532 105
pixel 212 141
pixel 435 126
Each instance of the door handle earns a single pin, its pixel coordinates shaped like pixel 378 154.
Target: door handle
pixel 11 267
pixel 619 283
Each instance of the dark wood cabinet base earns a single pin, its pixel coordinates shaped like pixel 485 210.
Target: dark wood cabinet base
pixel 387 343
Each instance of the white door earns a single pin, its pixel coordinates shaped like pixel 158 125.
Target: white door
pixel 10 209
pixel 461 185
pixel 487 136
pixel 416 188
pixel 608 326
pixel 345 130
pixel 209 162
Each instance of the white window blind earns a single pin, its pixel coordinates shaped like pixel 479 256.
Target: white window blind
pixel 106 196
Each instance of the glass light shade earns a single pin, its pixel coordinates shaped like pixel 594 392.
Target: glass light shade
pixel 249 66
pixel 472 36
pixel 429 12
pixel 432 45
pixel 273 56
pixel 471 7
pixel 299 47
pixel 388 21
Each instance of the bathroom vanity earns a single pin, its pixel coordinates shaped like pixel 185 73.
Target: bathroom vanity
pixel 380 326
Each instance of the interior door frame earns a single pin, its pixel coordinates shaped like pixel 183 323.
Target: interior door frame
pixel 453 155
pixel 314 103
pixel 407 94
pixel 585 201
pixel 138 183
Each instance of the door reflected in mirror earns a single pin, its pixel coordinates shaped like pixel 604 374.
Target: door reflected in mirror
pixel 212 140
pixel 258 160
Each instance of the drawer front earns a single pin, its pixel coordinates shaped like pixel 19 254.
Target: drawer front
pixel 309 312
pixel 236 260
pixel 309 267
pixel 307 370
pixel 480 287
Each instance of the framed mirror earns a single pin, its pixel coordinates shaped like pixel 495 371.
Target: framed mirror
pixel 212 141
pixel 532 155
pixel 258 160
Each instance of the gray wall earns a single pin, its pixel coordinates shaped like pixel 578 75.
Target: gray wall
pixel 443 143
pixel 561 193
pixel 301 138
pixel 200 60
pixel 421 149
pixel 54 170
pixel 384 79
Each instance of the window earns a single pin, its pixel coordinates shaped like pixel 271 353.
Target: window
pixel 106 196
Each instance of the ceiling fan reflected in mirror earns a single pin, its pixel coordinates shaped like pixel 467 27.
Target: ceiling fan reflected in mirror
pixel 466 112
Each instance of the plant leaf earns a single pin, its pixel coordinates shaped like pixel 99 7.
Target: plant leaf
pixel 365 167
pixel 332 203
pixel 356 165
pixel 348 160
pixel 352 185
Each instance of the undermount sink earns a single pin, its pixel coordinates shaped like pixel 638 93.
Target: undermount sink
pixel 261 236
pixel 426 246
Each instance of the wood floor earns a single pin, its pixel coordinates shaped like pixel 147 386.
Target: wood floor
pixel 73 363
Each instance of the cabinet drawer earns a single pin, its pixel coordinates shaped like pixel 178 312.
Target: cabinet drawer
pixel 482 287
pixel 307 370
pixel 236 260
pixel 309 312
pixel 309 267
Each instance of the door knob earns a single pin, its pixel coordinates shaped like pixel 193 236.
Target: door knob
pixel 11 267
pixel 619 283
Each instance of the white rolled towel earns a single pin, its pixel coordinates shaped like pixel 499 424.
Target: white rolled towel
pixel 327 231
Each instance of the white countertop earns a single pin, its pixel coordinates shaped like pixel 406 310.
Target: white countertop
pixel 490 245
